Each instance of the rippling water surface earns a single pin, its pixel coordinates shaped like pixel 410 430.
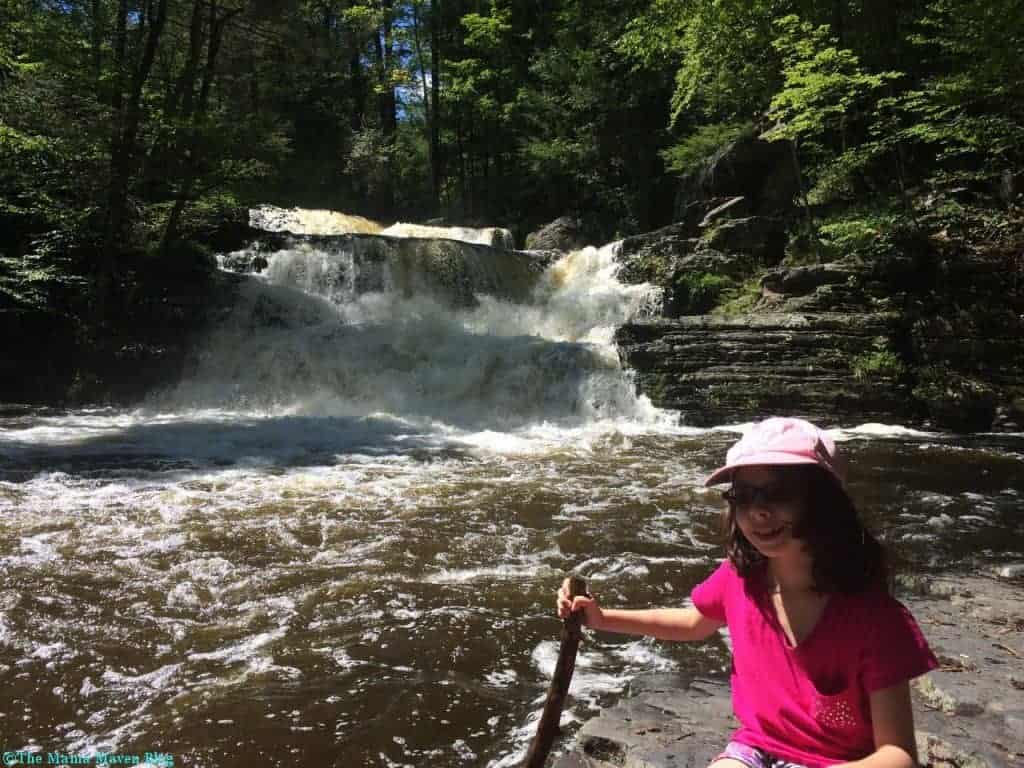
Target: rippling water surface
pixel 358 569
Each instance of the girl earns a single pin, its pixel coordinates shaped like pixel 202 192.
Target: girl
pixel 822 654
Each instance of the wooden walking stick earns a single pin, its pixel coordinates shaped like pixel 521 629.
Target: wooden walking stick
pixel 547 728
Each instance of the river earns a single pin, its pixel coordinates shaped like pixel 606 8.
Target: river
pixel 337 542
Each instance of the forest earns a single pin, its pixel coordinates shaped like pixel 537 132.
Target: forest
pixel 133 132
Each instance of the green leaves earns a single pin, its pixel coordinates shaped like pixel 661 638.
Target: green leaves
pixel 822 84
pixel 701 145
pixel 487 33
pixel 970 109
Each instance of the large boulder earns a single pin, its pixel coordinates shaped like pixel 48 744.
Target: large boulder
pixel 566 233
pixel 760 171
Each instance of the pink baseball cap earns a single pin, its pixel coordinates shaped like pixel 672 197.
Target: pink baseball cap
pixel 782 441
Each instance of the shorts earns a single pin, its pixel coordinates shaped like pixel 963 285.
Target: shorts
pixel 752 757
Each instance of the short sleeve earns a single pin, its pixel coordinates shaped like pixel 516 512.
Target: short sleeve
pixel 897 650
pixel 709 595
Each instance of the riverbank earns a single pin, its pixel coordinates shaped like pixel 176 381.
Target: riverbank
pixel 969 713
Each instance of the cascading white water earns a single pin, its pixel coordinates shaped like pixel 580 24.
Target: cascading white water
pixel 304 340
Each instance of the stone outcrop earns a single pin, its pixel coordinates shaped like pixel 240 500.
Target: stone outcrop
pixel 566 233
pixel 919 335
pixel 969 713
pixel 693 261
pixel 718 370
pixel 760 171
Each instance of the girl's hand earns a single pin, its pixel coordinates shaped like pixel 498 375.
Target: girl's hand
pixel 592 613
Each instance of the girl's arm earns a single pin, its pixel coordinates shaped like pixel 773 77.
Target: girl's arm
pixel 662 623
pixel 893 723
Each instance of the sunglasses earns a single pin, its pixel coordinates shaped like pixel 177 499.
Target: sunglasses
pixel 768 496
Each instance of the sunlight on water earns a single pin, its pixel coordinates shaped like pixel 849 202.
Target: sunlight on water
pixel 307 221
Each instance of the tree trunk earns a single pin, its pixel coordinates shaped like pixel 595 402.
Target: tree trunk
pixel 809 218
pixel 386 106
pixel 390 113
pixel 254 85
pixel 418 42
pixel 839 21
pixel 122 154
pixel 97 41
pixel 183 95
pixel 462 164
pixel 120 39
pixel 435 99
pixel 191 149
pixel 358 80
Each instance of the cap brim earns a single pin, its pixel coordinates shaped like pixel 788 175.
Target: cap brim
pixel 767 459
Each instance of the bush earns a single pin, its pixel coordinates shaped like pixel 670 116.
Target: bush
pixel 695 293
pixel 869 234
pixel 697 148
pixel 880 363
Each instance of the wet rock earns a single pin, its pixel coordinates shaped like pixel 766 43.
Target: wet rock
pixel 800 281
pixel 951 364
pixel 685 267
pixel 231 231
pixel 566 233
pixel 653 256
pixel 957 402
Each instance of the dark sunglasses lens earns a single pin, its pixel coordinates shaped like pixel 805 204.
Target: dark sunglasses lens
pixel 744 496
pixel 772 495
pixel 738 497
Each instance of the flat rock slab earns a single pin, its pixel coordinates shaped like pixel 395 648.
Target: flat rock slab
pixel 969 713
pixel 971 710
pixel 667 720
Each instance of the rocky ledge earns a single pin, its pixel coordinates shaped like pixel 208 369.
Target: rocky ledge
pixel 969 713
pixel 720 369
pixel 738 334
pixel 751 316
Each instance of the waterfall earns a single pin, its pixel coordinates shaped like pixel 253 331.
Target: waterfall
pixel 430 330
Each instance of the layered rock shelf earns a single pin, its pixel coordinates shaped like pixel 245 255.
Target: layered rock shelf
pixel 726 369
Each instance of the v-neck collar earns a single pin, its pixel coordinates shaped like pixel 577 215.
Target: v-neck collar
pixel 814 631
pixel 772 616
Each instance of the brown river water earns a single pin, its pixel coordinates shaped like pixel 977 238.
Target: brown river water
pixel 338 542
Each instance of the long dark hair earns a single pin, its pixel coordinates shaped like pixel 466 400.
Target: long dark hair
pixel 846 556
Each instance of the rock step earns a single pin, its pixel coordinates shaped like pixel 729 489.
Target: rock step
pixel 725 368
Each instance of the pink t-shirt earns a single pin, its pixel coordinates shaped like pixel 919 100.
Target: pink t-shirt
pixel 809 704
